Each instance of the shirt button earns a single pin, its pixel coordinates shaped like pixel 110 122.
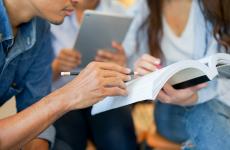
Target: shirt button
pixel 14 85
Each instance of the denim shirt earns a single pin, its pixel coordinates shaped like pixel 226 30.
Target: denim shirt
pixel 136 44
pixel 25 70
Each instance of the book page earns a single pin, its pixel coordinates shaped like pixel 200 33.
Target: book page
pixel 138 89
pixel 224 71
pixel 148 86
pixel 219 59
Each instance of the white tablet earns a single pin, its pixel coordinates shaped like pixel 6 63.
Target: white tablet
pixel 97 31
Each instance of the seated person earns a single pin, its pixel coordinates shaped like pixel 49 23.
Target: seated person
pixel 165 32
pixel 108 130
pixel 25 66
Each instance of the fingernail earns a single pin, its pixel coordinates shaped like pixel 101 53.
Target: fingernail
pixel 136 73
pixel 128 70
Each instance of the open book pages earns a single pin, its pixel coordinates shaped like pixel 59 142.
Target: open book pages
pixel 148 86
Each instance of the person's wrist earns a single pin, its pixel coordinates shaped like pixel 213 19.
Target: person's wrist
pixel 69 99
pixel 57 102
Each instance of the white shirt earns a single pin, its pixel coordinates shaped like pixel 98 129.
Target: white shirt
pixel 181 47
pixel 201 44
pixel 64 35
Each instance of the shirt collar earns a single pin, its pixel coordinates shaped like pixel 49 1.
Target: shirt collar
pixel 26 35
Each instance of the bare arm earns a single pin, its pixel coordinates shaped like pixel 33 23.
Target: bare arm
pixel 94 83
pixel 22 127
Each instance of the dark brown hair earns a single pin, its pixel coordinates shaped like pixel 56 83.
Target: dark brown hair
pixel 215 11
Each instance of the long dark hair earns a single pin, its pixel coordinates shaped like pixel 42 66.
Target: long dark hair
pixel 215 11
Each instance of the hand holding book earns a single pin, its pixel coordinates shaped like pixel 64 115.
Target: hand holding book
pixel 168 94
pixel 187 75
pixel 181 97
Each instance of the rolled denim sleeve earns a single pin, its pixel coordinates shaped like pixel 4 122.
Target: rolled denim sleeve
pixel 49 135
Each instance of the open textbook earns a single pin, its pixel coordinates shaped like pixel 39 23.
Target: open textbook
pixel 180 75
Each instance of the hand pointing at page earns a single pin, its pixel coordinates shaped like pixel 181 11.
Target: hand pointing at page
pixel 184 97
pixel 146 64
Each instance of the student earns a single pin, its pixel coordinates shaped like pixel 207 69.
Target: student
pixel 77 127
pixel 26 72
pixel 164 32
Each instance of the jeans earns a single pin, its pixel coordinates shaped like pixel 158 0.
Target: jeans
pixel 206 126
pixel 112 130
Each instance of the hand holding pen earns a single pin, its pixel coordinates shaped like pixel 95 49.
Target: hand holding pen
pixel 144 65
pixel 147 64
pixel 132 74
pixel 76 73
pixel 97 81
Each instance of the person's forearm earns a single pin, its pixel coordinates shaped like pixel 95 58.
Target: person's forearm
pixel 94 83
pixel 19 129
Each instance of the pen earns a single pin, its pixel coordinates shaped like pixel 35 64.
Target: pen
pixel 75 73
pixel 70 73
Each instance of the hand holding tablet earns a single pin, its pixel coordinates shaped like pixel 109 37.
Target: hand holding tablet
pixel 98 31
